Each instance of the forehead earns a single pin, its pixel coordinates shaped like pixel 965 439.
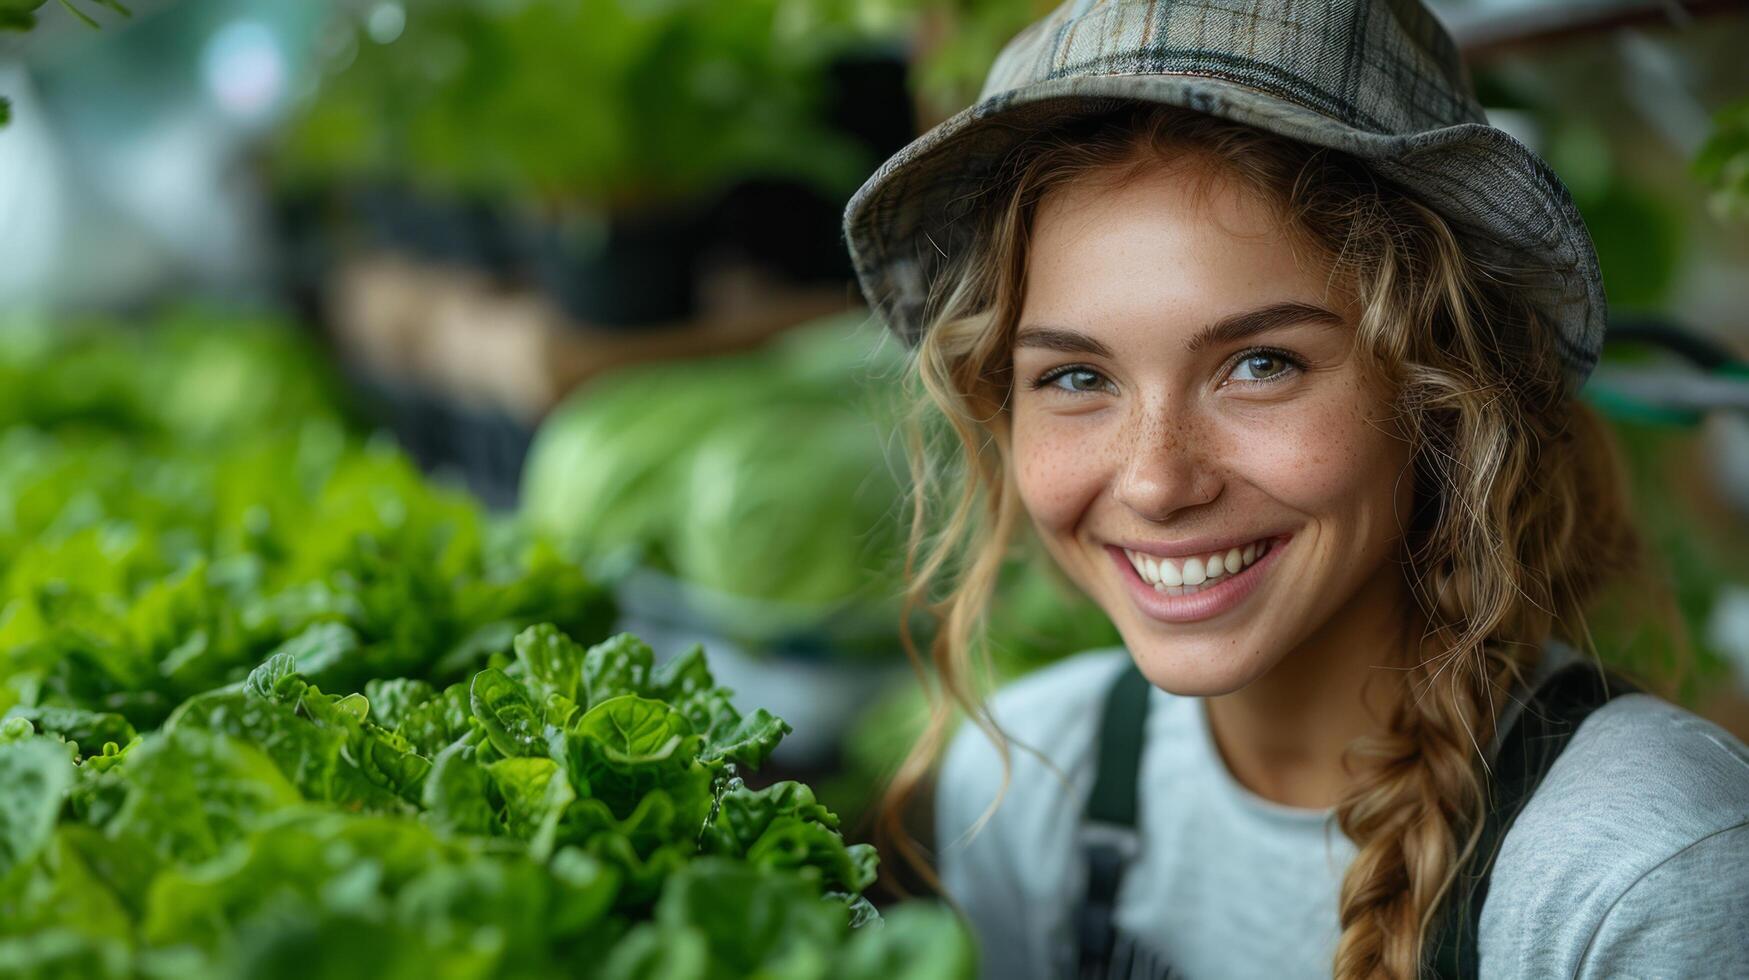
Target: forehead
pixel 1168 250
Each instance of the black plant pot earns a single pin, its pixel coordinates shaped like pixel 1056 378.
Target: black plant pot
pixel 624 271
pixel 306 250
pixel 783 227
pixel 470 232
pixel 793 230
pixel 465 232
pixel 383 215
pixel 870 100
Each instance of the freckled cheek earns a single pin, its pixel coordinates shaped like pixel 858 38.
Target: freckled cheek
pixel 1058 469
pixel 1323 461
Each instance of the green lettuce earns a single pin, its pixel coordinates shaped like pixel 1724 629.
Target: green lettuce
pixel 274 704
pixel 586 815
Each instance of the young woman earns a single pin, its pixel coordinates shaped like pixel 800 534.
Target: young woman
pixel 1244 315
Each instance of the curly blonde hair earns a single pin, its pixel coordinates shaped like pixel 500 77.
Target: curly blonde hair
pixel 1521 517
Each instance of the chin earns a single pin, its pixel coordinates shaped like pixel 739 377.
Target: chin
pixel 1190 668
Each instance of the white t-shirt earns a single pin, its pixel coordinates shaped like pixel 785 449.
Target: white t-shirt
pixel 1630 860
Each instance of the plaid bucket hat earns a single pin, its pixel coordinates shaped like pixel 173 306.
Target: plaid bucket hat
pixel 1378 79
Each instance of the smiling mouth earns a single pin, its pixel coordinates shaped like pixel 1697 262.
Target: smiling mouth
pixel 1188 576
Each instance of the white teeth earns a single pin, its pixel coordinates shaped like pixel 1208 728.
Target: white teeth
pixel 1163 573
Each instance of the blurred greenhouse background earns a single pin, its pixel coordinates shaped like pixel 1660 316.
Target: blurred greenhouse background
pixel 545 301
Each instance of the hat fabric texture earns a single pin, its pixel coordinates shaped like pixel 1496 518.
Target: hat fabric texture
pixel 1378 79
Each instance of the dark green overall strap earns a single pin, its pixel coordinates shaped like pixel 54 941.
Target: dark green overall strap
pixel 1529 749
pixel 1108 830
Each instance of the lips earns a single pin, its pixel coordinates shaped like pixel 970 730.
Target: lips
pixel 1187 604
pixel 1162 572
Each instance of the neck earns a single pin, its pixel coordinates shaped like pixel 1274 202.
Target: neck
pixel 1283 735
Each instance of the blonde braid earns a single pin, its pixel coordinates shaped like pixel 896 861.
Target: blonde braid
pixel 1521 516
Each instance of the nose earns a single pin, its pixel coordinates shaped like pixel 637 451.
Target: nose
pixel 1168 464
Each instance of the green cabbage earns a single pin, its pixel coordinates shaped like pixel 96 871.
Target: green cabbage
pixel 764 476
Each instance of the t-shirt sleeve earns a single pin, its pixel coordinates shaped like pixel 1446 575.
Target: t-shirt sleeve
pixel 1687 917
pixel 1631 858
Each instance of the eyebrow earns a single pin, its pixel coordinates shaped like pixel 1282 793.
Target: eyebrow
pixel 1227 330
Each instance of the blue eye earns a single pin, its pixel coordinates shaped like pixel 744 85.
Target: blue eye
pixel 1266 365
pixel 1076 380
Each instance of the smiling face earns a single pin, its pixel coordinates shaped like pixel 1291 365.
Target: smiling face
pixel 1163 430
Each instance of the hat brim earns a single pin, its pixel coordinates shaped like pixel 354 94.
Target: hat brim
pixel 913 213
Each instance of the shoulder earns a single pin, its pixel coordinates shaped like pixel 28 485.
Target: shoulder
pixel 1007 856
pixel 1631 854
pixel 1062 692
pixel 1051 718
pixel 1640 774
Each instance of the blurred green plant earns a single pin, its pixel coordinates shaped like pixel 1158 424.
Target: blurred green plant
pixel 607 103
pixel 1723 163
pixel 958 42
pixel 951 43
pixel 1638 227
pixel 176 502
pixel 1697 546
pixel 20 15
pixel 192 377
